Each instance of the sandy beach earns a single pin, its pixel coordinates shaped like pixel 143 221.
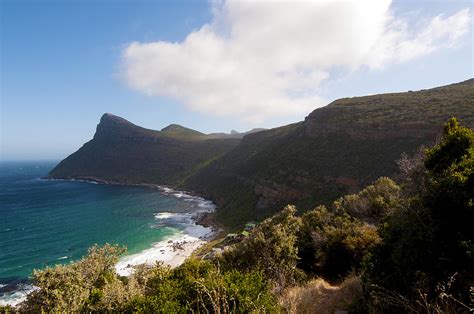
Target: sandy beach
pixel 172 251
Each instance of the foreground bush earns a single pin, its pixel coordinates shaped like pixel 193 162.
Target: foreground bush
pixel 271 249
pixel 374 203
pixel 332 244
pixel 92 285
pixel 201 286
pixel 85 284
pixel 431 240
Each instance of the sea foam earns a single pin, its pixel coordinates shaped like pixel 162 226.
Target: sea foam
pixel 175 249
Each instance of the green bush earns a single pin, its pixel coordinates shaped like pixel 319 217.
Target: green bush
pixel 91 285
pixel 373 203
pixel 271 248
pixel 83 284
pixel 431 239
pixel 333 243
pixel 202 287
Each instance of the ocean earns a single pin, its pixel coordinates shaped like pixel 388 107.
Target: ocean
pixel 47 222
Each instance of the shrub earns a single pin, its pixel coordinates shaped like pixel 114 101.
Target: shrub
pixel 333 244
pixel 91 285
pixel 431 238
pixel 75 286
pixel 373 203
pixel 271 248
pixel 202 287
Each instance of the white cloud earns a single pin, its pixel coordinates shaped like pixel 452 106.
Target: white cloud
pixel 260 59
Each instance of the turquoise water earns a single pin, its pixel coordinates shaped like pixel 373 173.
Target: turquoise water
pixel 45 222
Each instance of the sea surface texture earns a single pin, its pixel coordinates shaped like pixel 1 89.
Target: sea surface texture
pixel 46 222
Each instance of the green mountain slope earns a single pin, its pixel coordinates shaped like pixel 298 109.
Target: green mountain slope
pixel 337 150
pixel 121 151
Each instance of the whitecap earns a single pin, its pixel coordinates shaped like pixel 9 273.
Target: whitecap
pixel 17 296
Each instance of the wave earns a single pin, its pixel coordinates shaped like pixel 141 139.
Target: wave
pixel 15 293
pixel 175 249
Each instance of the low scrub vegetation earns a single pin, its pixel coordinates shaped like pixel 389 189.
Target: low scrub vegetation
pixel 389 248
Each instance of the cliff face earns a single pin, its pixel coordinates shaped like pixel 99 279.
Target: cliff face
pixel 121 151
pixel 335 150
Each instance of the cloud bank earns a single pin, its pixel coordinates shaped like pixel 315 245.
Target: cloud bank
pixel 261 59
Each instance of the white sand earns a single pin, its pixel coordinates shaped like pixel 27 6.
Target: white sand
pixel 172 251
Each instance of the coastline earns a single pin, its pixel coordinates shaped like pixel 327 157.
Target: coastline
pixel 174 250
pixel 171 251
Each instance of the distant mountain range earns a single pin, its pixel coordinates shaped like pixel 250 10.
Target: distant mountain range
pixel 336 150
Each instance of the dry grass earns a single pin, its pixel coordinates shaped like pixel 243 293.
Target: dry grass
pixel 318 296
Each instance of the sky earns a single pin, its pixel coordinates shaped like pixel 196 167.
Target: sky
pixel 211 65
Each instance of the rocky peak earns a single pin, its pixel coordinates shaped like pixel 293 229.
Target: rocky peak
pixel 112 126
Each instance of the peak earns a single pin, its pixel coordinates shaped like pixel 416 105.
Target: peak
pixel 113 126
pixel 173 127
pixel 108 117
pixel 234 132
pixel 179 130
pixel 255 130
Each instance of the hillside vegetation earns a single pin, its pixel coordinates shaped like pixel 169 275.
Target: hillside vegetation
pixel 337 149
pixel 390 248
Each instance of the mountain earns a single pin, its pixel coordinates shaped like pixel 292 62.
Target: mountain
pixel 176 130
pixel 124 152
pixel 336 150
pixel 235 134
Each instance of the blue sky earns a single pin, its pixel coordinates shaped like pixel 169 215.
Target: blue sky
pixel 65 63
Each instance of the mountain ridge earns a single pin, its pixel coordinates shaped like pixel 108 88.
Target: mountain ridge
pixel 336 150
